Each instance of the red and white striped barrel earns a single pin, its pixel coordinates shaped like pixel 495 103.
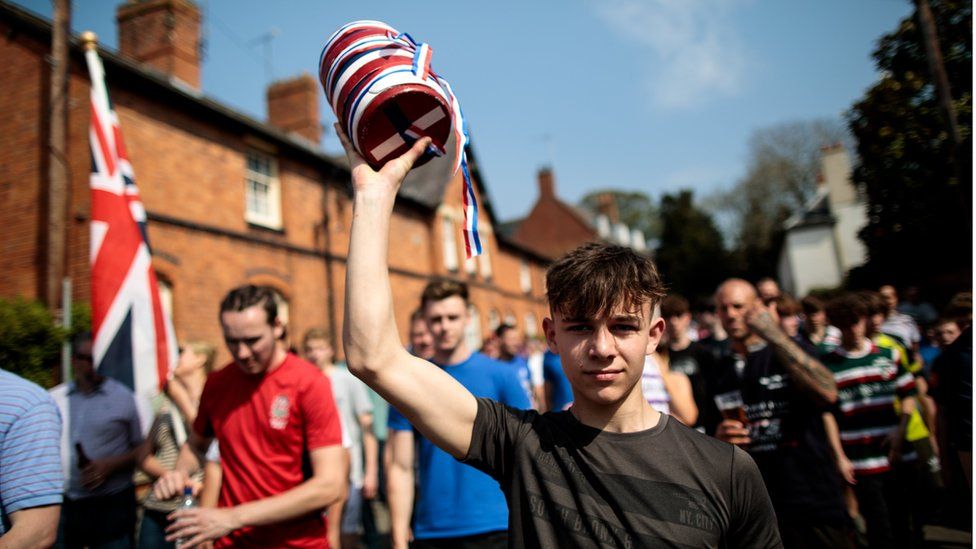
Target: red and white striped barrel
pixel 385 95
pixel 380 86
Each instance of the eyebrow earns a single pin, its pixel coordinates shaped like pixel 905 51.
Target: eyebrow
pixel 618 318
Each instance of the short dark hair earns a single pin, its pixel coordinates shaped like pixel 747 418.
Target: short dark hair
pixel 502 328
pixel 243 297
pixel 786 305
pixel 442 289
pixel 845 310
pixel 944 320
pixel 315 333
pixel 874 302
pixel 674 305
pixel 960 308
pixel 811 304
pixel 417 314
pixel 593 279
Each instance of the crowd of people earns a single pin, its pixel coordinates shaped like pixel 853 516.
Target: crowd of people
pixel 752 419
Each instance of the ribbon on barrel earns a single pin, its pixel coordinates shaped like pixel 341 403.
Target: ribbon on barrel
pixel 370 71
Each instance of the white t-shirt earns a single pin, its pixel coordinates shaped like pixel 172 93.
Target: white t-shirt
pixel 352 400
pixel 652 385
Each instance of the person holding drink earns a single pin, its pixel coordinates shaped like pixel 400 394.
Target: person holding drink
pixel 771 395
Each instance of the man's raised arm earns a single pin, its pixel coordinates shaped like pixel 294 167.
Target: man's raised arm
pixel 433 401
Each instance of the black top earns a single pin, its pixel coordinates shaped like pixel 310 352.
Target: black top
pixel 698 363
pixel 789 443
pixel 952 389
pixel 570 485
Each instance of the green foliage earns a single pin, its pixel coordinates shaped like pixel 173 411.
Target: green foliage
pixel 919 201
pixel 30 340
pixel 635 209
pixel 691 256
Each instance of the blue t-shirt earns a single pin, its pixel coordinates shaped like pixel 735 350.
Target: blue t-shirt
pixel 521 368
pixel 30 448
pixel 454 499
pixel 552 372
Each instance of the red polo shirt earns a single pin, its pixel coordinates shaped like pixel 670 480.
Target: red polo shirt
pixel 266 425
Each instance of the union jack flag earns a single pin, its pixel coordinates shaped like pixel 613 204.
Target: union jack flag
pixel 134 341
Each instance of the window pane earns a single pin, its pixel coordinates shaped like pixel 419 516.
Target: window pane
pixel 450 245
pixel 525 276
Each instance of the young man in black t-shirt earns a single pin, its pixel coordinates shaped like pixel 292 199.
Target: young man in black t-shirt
pixel 689 358
pixel 785 391
pixel 611 470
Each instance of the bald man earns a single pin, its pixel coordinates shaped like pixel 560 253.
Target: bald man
pixel 784 392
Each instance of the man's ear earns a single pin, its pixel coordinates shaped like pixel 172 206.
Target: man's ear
pixel 654 333
pixel 279 329
pixel 549 327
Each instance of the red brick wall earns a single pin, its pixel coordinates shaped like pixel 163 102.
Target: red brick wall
pixel 190 172
pixel 23 161
pixel 552 230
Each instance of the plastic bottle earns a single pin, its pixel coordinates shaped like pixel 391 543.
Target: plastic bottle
pixel 188 502
pixel 83 459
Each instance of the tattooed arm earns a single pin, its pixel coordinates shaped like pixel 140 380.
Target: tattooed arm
pixel 810 376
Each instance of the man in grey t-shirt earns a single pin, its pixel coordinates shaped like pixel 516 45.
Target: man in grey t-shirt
pixel 356 414
pixel 609 471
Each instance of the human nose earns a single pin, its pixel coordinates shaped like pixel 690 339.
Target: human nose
pixel 242 351
pixel 602 343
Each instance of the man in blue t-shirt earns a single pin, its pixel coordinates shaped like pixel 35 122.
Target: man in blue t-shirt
pixel 510 345
pixel 559 393
pixel 31 478
pixel 456 505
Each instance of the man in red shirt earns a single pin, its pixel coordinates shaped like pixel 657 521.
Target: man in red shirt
pixel 275 419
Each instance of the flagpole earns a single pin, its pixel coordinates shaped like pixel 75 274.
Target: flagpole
pixel 66 324
pixel 58 185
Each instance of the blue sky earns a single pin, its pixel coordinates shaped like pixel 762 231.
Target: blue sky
pixel 648 95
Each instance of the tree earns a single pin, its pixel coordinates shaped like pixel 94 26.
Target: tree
pixel 919 227
pixel 781 178
pixel 691 256
pixel 635 209
pixel 30 339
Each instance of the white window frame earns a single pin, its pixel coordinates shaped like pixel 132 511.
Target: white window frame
pixel 470 265
pixel 165 295
pixel 531 326
pixel 450 243
pixel 494 320
pixel 270 219
pixel 484 260
pixel 472 332
pixel 525 276
pixel 511 320
pixel 284 309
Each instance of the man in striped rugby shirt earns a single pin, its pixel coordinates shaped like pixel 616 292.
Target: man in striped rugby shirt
pixel 870 385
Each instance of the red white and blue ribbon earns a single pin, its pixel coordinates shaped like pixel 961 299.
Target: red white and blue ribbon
pixel 364 58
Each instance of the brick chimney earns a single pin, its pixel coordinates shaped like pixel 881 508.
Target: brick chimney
pixel 547 183
pixel 164 34
pixel 293 106
pixel 607 205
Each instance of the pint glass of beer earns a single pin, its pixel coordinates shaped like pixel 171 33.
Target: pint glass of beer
pixel 730 405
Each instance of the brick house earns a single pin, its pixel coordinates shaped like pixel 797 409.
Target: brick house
pixel 554 227
pixel 230 200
